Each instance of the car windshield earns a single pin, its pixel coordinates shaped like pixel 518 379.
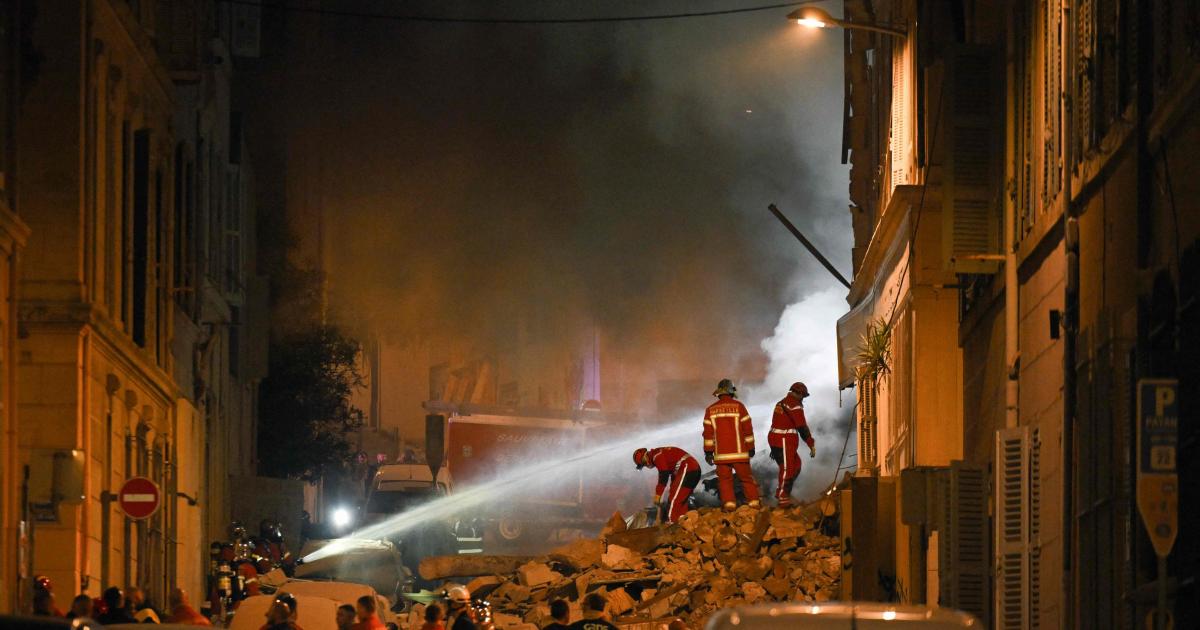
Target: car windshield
pixel 395 502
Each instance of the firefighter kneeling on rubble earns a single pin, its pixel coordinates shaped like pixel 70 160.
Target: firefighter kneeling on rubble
pixel 676 468
pixel 729 445
pixel 788 427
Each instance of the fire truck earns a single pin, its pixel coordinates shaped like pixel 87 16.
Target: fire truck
pixel 487 445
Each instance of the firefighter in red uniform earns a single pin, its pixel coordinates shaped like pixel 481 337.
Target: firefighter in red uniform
pixel 729 444
pixel 678 473
pixel 788 427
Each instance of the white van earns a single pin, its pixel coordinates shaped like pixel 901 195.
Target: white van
pixel 397 488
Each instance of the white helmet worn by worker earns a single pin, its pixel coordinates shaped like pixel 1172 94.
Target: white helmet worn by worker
pixel 459 595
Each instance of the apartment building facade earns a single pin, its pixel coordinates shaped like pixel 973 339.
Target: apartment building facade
pixel 1049 205
pixel 132 294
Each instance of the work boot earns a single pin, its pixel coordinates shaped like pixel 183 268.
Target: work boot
pixel 730 506
pixel 755 504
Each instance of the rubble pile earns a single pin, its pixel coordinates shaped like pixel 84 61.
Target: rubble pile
pixel 711 559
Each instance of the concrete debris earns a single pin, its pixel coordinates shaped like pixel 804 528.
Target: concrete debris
pixel 484 581
pixel 535 574
pixel 753 592
pixel 579 554
pixel 709 560
pixel 512 592
pixel 615 525
pixel 618 557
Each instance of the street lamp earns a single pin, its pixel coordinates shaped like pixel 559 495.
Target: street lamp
pixel 816 17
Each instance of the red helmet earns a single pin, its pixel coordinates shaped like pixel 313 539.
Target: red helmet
pixel 800 389
pixel 42 583
pixel 639 458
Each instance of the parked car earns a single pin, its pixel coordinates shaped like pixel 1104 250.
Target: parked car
pixel 142 626
pixel 313 613
pixel 841 616
pixel 21 622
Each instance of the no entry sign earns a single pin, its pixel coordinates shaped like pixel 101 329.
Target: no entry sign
pixel 139 498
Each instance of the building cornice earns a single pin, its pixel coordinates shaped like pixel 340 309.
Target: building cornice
pixel 141 43
pixel 80 317
pixel 13 231
pixel 881 249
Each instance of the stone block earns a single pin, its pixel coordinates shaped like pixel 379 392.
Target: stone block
pixel 535 574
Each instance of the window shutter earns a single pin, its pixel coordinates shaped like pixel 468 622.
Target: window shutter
pixel 1084 98
pixel 962 540
pixel 1051 102
pixel 971 201
pixel 899 141
pixel 1013 509
pixel 1035 529
pixel 866 425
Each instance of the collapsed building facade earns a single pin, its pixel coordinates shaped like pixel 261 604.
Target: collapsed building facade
pixel 1024 253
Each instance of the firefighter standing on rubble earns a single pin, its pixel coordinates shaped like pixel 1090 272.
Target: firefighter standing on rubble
pixel 678 474
pixel 788 427
pixel 729 445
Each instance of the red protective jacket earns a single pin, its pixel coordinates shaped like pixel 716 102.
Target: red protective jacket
pixel 669 460
pixel 789 418
pixel 728 433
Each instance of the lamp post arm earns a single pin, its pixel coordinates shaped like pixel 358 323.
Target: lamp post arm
pixel 894 32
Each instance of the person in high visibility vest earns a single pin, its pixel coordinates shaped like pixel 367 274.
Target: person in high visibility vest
pixel 729 445
pixel 678 474
pixel 788 428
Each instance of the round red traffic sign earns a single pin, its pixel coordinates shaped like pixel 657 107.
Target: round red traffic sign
pixel 139 498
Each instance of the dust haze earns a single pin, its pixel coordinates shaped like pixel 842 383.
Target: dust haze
pixel 481 180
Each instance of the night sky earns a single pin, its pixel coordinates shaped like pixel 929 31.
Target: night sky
pixel 614 174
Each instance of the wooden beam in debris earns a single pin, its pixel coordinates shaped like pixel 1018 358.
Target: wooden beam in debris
pixel 627 579
pixel 665 593
pixel 645 539
pixel 438 567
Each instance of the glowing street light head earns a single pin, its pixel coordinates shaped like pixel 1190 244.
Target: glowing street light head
pixel 341 518
pixel 812 17
pixel 815 17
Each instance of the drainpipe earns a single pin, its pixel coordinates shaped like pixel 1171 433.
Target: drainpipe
pixel 1070 325
pixel 1070 311
pixel 111 385
pixel 1012 292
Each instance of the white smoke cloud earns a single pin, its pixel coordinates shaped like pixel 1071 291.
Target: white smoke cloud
pixel 803 347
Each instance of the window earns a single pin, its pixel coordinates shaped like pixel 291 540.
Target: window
pixel 1017 526
pixel 867 440
pixel 1101 406
pixel 962 540
pixel 7 84
pixel 900 140
pixel 120 221
pixel 233 233
pixel 141 235
pixel 182 268
pixel 161 230
pixel 235 341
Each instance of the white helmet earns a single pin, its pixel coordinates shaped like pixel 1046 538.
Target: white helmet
pixel 458 595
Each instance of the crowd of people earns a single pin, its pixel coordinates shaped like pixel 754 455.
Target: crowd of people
pixel 117 606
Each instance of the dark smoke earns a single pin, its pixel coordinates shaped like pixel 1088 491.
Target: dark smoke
pixel 608 170
pixel 524 184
